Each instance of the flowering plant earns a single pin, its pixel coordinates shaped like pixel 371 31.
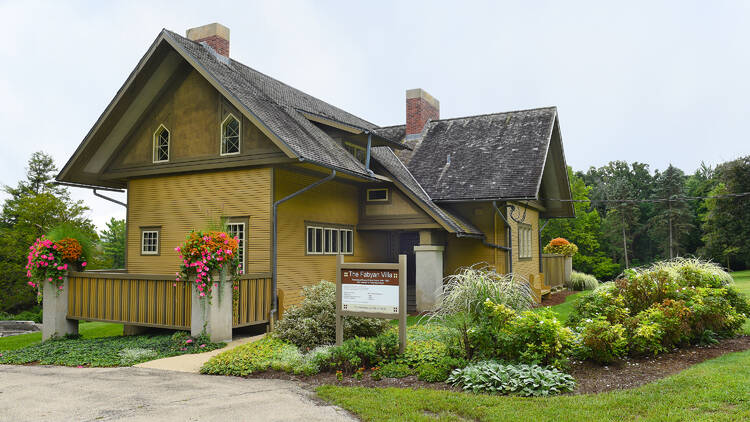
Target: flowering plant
pixel 204 253
pixel 561 246
pixel 49 261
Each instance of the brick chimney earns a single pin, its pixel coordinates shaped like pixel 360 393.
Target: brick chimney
pixel 215 35
pixel 420 107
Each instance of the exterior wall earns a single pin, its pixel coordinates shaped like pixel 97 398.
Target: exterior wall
pixel 335 202
pixel 192 110
pixel 398 213
pixel 181 203
pixel 463 251
pixel 526 267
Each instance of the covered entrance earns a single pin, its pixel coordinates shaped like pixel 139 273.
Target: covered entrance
pixel 406 243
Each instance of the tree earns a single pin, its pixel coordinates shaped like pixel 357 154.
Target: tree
pixel 673 219
pixel 113 243
pixel 35 206
pixel 727 225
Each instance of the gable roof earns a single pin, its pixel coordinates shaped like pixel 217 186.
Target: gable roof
pixel 486 157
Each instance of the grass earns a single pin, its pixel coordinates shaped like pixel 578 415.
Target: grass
pixel 564 309
pixel 714 390
pixel 85 329
pixel 107 351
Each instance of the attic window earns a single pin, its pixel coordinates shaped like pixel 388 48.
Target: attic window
pixel 377 195
pixel 161 144
pixel 357 151
pixel 230 136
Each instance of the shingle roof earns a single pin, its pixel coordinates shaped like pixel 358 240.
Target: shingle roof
pixel 276 105
pixel 492 156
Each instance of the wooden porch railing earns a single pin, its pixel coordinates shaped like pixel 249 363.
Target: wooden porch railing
pixel 254 302
pixel 157 300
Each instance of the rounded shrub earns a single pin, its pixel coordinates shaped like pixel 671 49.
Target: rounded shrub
pixel 582 281
pixel 601 341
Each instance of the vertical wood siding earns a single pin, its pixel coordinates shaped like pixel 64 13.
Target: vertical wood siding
pixel 254 300
pixel 181 203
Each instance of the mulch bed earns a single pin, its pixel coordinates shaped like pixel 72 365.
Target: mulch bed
pixel 591 377
pixel 630 373
pixel 556 298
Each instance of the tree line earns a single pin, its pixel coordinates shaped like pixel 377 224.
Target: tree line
pixel 35 206
pixel 630 216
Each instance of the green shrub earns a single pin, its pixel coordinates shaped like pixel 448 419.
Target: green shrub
pixel 392 370
pixel 645 337
pixel 540 338
pixel 313 322
pixel 387 346
pixel 520 379
pixel 712 310
pixel 419 352
pixel 601 341
pixel 248 358
pixel 603 301
pixel 438 371
pixel 353 354
pixel 582 281
pixel 33 314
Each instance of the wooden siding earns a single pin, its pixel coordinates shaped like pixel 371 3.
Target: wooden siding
pixel 181 203
pixel 462 252
pixel 253 300
pixel 335 202
pixel 144 300
pixel 192 110
pixel 526 267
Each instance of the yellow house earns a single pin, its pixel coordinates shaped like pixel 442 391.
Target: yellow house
pixel 193 134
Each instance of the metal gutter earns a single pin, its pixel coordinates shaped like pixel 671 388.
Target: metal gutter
pixel 274 258
pixel 97 194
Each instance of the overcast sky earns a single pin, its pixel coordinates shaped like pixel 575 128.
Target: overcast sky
pixel 655 82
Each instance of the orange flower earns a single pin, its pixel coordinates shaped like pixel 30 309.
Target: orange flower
pixel 70 249
pixel 558 241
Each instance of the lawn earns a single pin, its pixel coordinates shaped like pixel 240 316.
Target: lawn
pixel 564 309
pixel 713 390
pixel 85 329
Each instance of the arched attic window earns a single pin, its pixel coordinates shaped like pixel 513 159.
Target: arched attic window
pixel 230 135
pixel 161 144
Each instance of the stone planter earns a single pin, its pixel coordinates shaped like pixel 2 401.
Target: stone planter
pixel 55 322
pixel 213 316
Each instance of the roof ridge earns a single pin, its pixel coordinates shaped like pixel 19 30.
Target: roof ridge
pixel 494 114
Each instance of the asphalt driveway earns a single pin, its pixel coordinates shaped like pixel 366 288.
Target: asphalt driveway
pixel 47 393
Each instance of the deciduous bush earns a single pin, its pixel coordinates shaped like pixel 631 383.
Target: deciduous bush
pixel 313 322
pixel 603 301
pixel 601 341
pixel 519 379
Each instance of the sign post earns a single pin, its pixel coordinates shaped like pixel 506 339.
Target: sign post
pixel 374 290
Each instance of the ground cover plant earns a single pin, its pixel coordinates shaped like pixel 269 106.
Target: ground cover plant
pixel 511 379
pixel 107 351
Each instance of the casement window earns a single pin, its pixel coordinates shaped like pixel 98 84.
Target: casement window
pixel 525 235
pixel 161 145
pixel 150 240
pixel 360 153
pixel 230 135
pixel 377 195
pixel 322 240
pixel 237 227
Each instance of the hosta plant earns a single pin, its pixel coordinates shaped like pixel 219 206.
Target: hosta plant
pixel 520 379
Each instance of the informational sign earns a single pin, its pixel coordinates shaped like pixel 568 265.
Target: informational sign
pixel 375 290
pixel 370 291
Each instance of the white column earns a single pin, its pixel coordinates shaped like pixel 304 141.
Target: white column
pixel 429 277
pixel 55 322
pixel 213 316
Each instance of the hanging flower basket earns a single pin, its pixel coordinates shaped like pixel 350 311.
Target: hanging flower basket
pixel 48 261
pixel 561 246
pixel 203 255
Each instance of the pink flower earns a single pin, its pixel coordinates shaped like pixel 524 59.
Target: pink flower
pixel 202 345
pixel 80 366
pixel 60 287
pixel 174 284
pixel 83 264
pixel 202 294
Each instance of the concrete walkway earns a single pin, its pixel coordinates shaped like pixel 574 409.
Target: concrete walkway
pixel 44 393
pixel 193 362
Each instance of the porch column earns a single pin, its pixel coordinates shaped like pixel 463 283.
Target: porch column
pixel 55 322
pixel 429 270
pixel 213 316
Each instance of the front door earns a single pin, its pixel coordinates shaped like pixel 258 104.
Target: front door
pixel 406 243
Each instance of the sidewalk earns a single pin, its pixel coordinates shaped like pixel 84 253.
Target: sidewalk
pixel 193 362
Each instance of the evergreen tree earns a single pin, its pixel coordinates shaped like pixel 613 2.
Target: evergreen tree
pixel 672 221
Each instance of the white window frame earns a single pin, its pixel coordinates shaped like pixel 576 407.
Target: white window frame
pixel 155 148
pixel 387 195
pixel 143 241
pixel 221 135
pixel 525 240
pixel 332 238
pixel 242 246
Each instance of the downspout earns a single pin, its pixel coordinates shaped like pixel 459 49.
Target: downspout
pixel 109 199
pixel 274 258
pixel 541 265
pixel 508 235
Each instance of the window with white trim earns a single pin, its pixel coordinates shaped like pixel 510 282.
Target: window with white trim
pixel 238 229
pixel 161 144
pixel 149 241
pixel 230 135
pixel 525 237
pixel 322 240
